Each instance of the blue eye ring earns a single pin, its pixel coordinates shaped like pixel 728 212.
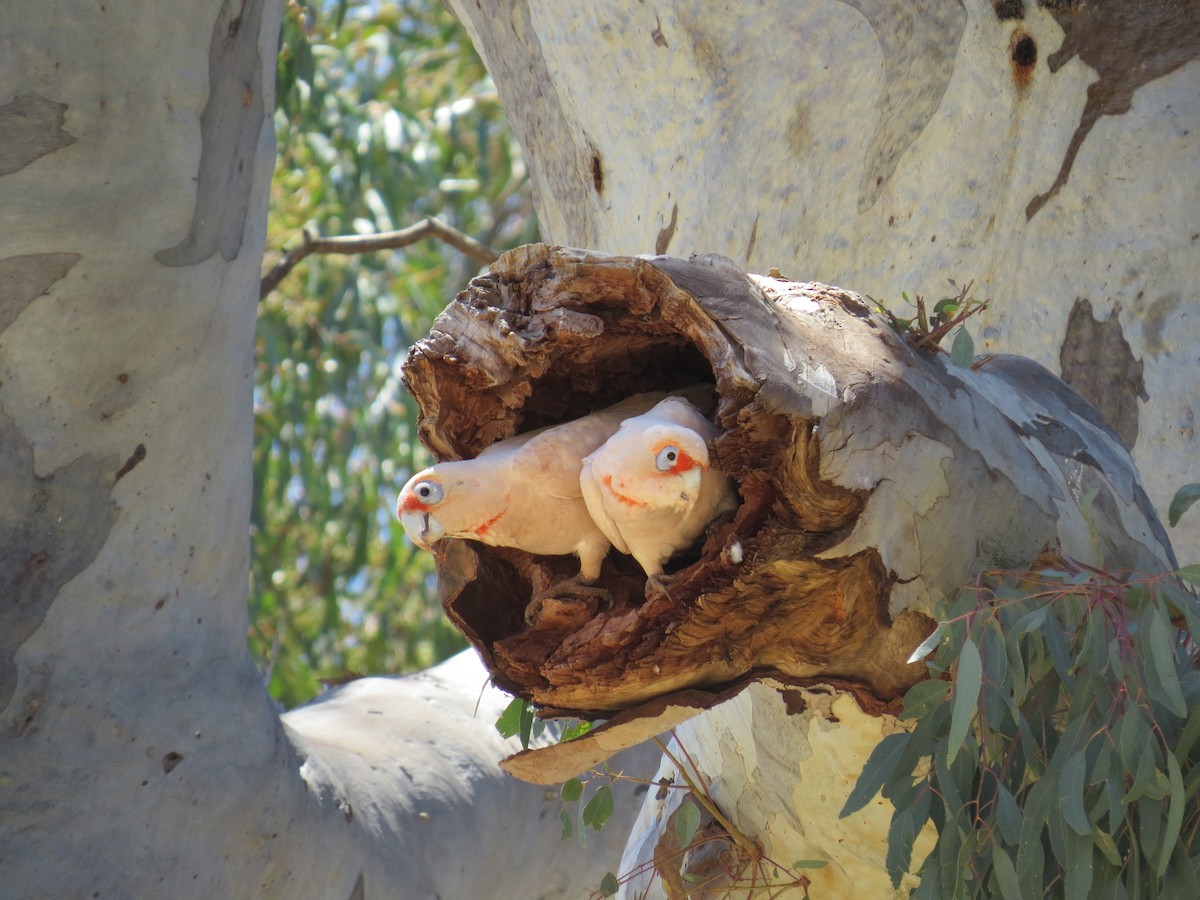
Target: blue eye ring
pixel 667 458
pixel 428 492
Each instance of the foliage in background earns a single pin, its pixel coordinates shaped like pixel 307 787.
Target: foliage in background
pixel 1056 750
pixel 384 116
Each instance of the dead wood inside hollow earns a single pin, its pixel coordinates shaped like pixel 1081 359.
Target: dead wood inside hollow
pixel 553 334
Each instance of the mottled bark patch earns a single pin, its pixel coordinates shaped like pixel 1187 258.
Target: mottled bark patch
pixel 919 44
pixel 1009 9
pixel 663 241
pixel 51 528
pixel 1129 43
pixel 25 278
pixel 230 127
pixel 30 127
pixel 1096 361
pixel 1023 53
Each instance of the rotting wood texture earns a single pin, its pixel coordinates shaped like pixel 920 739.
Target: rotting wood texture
pixel 873 478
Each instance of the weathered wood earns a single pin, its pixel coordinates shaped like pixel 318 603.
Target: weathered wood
pixel 874 478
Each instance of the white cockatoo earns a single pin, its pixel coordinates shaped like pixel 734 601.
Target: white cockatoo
pixel 521 492
pixel 651 489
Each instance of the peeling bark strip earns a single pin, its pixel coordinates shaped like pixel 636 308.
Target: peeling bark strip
pixel 1096 361
pixel 918 44
pixel 51 528
pixel 874 479
pixel 25 278
pixel 1129 43
pixel 30 127
pixel 230 127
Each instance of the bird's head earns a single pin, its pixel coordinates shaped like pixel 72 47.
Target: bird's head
pixel 417 505
pixel 672 462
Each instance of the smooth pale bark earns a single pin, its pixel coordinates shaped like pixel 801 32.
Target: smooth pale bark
pixel 140 755
pixel 1052 159
pixel 886 147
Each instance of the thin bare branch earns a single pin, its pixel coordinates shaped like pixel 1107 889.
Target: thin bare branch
pixel 349 244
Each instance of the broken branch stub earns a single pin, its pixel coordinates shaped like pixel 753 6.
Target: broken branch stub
pixel 873 478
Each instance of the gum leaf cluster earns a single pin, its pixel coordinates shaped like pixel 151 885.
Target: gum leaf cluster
pixel 1054 748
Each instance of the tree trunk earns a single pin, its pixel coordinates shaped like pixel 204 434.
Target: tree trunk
pixel 139 752
pixel 875 479
pixel 1049 152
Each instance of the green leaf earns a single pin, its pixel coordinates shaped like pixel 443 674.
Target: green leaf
pixel 962 351
pixel 1175 811
pixel 509 722
pixel 1077 874
pixel 1008 816
pixel 1006 874
pixel 1191 732
pixel 927 646
pixel 1162 645
pixel 967 682
pixel 810 864
pixel 1107 846
pixel 1190 573
pixel 1037 807
pixel 609 885
pixel 687 820
pixel 599 808
pixel 578 729
pixel 906 824
pixel 1070 791
pixel 923 697
pixel 571 790
pixel 1181 502
pixel 565 818
pixel 876 771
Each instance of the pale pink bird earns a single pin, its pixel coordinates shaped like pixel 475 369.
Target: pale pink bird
pixel 521 492
pixel 651 488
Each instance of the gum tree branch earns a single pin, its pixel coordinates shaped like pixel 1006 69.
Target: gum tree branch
pixel 389 240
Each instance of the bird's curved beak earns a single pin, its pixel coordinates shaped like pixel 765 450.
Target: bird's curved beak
pixel 690 489
pixel 422 528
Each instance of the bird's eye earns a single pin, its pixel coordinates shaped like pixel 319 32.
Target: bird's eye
pixel 428 491
pixel 666 459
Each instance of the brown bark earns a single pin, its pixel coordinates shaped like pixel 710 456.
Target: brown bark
pixel 801 585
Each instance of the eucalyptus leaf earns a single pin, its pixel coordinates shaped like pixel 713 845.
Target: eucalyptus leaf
pixel 1071 788
pixel 876 771
pixel 599 808
pixel 1008 816
pixel 1175 809
pixel 1182 502
pixel 609 885
pixel 687 821
pixel 968 680
pixel 923 696
pixel 1006 874
pixel 926 646
pixel 962 350
pixel 1161 644
pixel 571 790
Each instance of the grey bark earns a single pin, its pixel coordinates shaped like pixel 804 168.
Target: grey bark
pixel 140 755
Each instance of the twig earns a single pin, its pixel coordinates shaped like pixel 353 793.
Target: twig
pixel 391 240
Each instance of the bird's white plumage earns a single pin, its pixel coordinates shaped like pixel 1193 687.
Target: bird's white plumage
pixel 523 492
pixel 651 488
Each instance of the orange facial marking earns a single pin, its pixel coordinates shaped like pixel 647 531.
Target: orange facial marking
pixel 683 463
pixel 410 503
pixel 622 498
pixel 486 526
